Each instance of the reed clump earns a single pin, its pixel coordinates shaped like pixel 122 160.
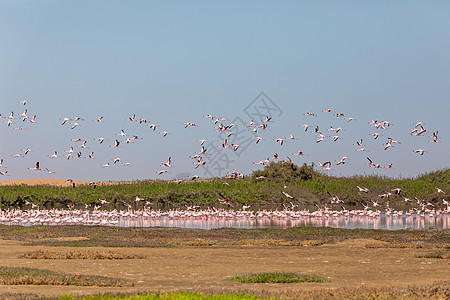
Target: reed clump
pixel 80 254
pixel 437 254
pixel 31 276
pixel 277 278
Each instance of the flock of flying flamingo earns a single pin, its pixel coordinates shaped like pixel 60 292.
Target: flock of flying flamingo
pixel 36 215
pixel 222 126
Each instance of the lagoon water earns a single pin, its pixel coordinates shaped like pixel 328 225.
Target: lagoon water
pixel 383 222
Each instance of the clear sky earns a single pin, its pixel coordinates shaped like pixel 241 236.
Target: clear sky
pixel 172 62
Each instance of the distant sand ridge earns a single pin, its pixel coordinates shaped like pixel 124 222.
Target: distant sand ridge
pixel 43 181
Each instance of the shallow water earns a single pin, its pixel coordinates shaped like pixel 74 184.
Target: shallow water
pixel 363 222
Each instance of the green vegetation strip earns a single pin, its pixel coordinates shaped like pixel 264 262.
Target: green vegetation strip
pixel 304 183
pixel 277 278
pixel 437 290
pixel 168 296
pixel 31 276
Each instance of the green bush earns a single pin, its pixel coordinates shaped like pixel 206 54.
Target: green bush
pixel 287 172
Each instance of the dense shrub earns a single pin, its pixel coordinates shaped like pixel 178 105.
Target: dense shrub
pixel 286 171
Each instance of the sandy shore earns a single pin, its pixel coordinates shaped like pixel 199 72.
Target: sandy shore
pixel 53 182
pixel 41 181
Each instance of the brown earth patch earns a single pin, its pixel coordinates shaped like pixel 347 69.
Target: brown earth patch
pixel 347 265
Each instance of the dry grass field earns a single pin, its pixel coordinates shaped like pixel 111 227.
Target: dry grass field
pixel 192 260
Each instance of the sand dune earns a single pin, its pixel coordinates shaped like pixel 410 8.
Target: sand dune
pixel 41 181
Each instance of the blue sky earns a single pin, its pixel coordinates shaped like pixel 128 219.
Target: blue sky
pixel 172 62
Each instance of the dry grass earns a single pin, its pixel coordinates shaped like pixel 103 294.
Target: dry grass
pixel 80 254
pixel 438 254
pixel 413 245
pixel 266 242
pixel 20 296
pixel 193 242
pixel 313 243
pixel 30 276
pixel 438 290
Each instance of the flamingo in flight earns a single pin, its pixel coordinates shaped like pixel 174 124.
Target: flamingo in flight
pixel 257 139
pixel 438 190
pixel 186 125
pixel 152 126
pixel 326 165
pixel 299 153
pixel 202 150
pixel 281 141
pixel 287 195
pixel 375 135
pixel 24 115
pixel 435 137
pixel 421 151
pixel 291 137
pixel 100 139
pixel 341 161
pixel 359 143
pixel 26 151
pixel 32 120
pixel 54 155
pixel 37 168
pixel 335 138
pixel 132 118
pixel 167 163
pixel 362 189
pixel 64 120
pixel 223 200
pixel 122 133
pixel 349 119
pixel 268 119
pixel 162 172
pixel 305 126
pixel 48 171
pixel 116 144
